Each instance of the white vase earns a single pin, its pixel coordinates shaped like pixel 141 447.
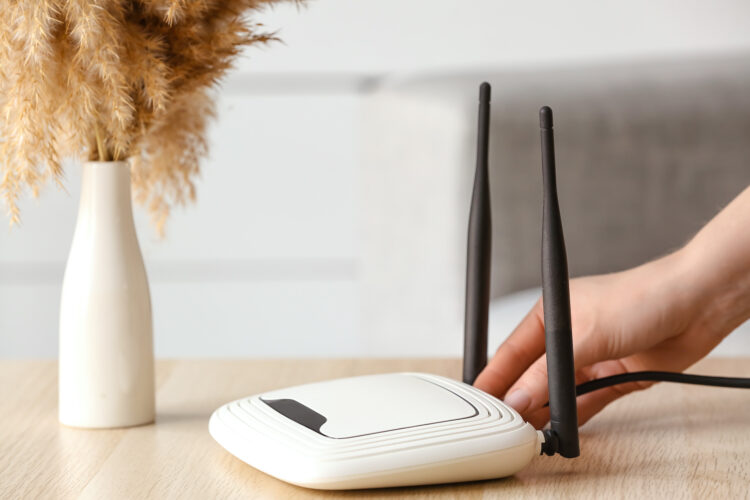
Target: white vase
pixel 106 346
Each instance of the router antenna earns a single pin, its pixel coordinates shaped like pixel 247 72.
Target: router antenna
pixel 478 253
pixel 563 434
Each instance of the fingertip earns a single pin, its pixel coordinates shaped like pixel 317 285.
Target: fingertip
pixel 519 400
pixel 532 385
pixel 482 383
pixel 514 356
pixel 491 382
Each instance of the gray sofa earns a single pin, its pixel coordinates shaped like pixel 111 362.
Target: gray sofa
pixel 647 153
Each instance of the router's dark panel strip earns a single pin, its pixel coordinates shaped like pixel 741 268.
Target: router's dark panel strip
pixel 297 412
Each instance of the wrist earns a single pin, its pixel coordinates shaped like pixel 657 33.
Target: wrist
pixel 719 282
pixel 683 289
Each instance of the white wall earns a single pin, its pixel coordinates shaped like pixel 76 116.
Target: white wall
pixel 267 262
pixel 384 36
pixel 264 264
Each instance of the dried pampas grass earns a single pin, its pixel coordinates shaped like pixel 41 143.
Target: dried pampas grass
pixel 113 80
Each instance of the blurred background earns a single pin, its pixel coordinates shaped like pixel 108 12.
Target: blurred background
pixel 331 213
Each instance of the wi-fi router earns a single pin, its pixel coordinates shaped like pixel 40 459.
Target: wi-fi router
pixel 377 431
pixel 404 429
pixel 414 428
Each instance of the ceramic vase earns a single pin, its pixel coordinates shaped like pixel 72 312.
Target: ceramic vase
pixel 106 371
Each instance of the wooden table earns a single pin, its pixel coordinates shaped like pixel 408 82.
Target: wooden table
pixel 670 441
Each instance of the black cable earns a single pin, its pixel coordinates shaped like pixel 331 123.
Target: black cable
pixel 551 441
pixel 653 376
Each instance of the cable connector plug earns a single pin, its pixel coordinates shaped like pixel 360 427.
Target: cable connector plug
pixel 551 444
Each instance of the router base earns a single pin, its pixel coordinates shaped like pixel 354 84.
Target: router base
pixel 377 431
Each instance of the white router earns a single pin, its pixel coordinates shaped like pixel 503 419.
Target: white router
pixel 377 431
pixel 414 428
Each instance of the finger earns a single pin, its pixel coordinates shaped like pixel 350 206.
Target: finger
pixel 592 403
pixel 588 404
pixel 514 356
pixel 539 418
pixel 531 391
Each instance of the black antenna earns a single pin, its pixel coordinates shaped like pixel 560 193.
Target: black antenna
pixel 479 248
pixel 563 434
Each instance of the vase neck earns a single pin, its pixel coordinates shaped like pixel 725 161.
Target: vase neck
pixel 105 187
pixel 105 199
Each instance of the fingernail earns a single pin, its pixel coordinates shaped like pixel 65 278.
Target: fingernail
pixel 519 400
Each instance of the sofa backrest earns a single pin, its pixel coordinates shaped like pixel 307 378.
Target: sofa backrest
pixel 646 154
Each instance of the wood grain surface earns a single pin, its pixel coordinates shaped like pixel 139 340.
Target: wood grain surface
pixel 670 441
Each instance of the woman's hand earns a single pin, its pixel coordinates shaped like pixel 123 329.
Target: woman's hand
pixel 664 315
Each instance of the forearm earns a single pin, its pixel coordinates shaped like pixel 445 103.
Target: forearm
pixel 719 258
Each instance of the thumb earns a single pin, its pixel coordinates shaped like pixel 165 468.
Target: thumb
pixel 531 391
